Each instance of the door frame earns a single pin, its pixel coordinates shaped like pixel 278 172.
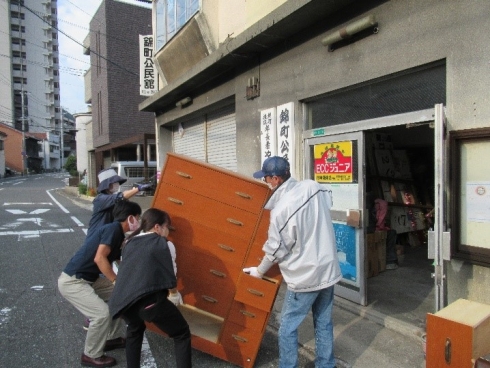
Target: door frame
pixel 342 131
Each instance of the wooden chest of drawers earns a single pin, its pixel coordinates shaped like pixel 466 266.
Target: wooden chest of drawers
pixel 218 227
pixel 458 334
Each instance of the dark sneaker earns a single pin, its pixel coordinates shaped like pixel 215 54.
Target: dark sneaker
pixel 103 361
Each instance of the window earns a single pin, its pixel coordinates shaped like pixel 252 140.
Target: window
pixel 17 28
pixel 18 54
pixel 1 145
pixel 18 41
pixel 171 15
pixel 17 15
pixel 470 195
pixel 19 67
pixel 20 80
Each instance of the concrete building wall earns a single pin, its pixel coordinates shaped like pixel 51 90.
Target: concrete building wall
pixel 237 15
pixel 81 121
pixel 412 33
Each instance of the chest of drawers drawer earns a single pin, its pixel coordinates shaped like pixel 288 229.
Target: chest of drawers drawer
pixel 222 217
pixel 241 344
pixel 211 182
pixel 207 268
pixel 229 249
pixel 205 296
pixel 247 316
pixel 257 292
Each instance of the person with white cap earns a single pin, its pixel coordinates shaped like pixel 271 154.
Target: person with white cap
pixel 108 195
pixel 301 240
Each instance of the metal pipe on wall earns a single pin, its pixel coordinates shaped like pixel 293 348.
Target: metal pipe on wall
pixel 349 30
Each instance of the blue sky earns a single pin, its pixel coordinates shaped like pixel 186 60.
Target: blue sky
pixel 73 19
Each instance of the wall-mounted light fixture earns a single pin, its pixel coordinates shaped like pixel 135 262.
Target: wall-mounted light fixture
pixel 253 88
pixel 183 102
pixel 350 30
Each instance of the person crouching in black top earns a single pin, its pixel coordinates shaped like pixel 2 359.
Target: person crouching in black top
pixel 146 290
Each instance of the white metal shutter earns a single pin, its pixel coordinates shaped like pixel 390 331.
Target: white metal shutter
pixel 221 139
pixel 191 140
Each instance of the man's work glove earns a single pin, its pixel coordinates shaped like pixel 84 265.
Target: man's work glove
pixel 143 187
pixel 253 271
pixel 175 298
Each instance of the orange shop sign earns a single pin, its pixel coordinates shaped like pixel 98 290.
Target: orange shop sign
pixel 333 162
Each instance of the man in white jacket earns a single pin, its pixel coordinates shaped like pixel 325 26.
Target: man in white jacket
pixel 301 240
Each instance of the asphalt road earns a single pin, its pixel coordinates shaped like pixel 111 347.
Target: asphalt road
pixel 41 227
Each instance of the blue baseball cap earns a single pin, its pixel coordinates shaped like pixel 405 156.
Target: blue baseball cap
pixel 273 166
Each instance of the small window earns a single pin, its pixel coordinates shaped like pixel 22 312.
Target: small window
pixel 1 145
pixel 470 195
pixel 171 16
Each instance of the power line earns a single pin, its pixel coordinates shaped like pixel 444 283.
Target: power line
pixel 79 43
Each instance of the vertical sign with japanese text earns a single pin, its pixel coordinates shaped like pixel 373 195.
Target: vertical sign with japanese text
pixel 285 132
pixel 148 71
pixel 333 162
pixel 268 142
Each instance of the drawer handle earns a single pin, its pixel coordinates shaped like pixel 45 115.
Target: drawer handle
pixel 255 292
pixel 239 338
pixel 247 314
pixel 218 273
pixel 175 200
pixel 209 299
pixel 225 247
pixel 184 175
pixel 234 222
pixel 171 228
pixel 243 195
pixel 447 351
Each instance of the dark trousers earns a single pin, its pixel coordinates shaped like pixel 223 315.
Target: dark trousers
pixel 166 316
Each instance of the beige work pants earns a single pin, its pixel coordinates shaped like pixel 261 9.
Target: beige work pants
pixel 90 298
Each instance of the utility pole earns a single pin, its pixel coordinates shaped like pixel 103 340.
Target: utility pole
pixel 22 96
pixel 62 145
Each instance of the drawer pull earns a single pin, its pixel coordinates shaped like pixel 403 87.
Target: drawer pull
pixel 255 292
pixel 184 175
pixel 218 273
pixel 239 338
pixel 209 299
pixel 226 247
pixel 234 222
pixel 243 195
pixel 447 350
pixel 247 314
pixel 171 228
pixel 175 200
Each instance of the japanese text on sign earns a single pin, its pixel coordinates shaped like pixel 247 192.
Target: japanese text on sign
pixel 333 162
pixel 148 72
pixel 268 133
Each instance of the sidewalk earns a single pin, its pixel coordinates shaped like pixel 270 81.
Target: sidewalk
pixel 364 338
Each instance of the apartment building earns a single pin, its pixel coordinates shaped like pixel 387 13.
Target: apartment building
pixel 341 88
pixel 29 70
pixel 120 132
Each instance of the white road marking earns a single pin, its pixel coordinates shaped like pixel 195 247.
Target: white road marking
pixel 37 287
pixel 35 220
pixel 16 212
pixel 41 210
pixel 18 182
pixel 35 232
pixel 58 203
pixel 4 315
pixel 85 231
pixel 146 355
pixel 25 203
pixel 77 221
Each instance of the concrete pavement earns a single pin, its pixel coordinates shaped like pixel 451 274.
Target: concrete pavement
pixel 363 338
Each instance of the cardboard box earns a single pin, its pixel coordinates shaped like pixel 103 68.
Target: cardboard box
pixel 376 253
